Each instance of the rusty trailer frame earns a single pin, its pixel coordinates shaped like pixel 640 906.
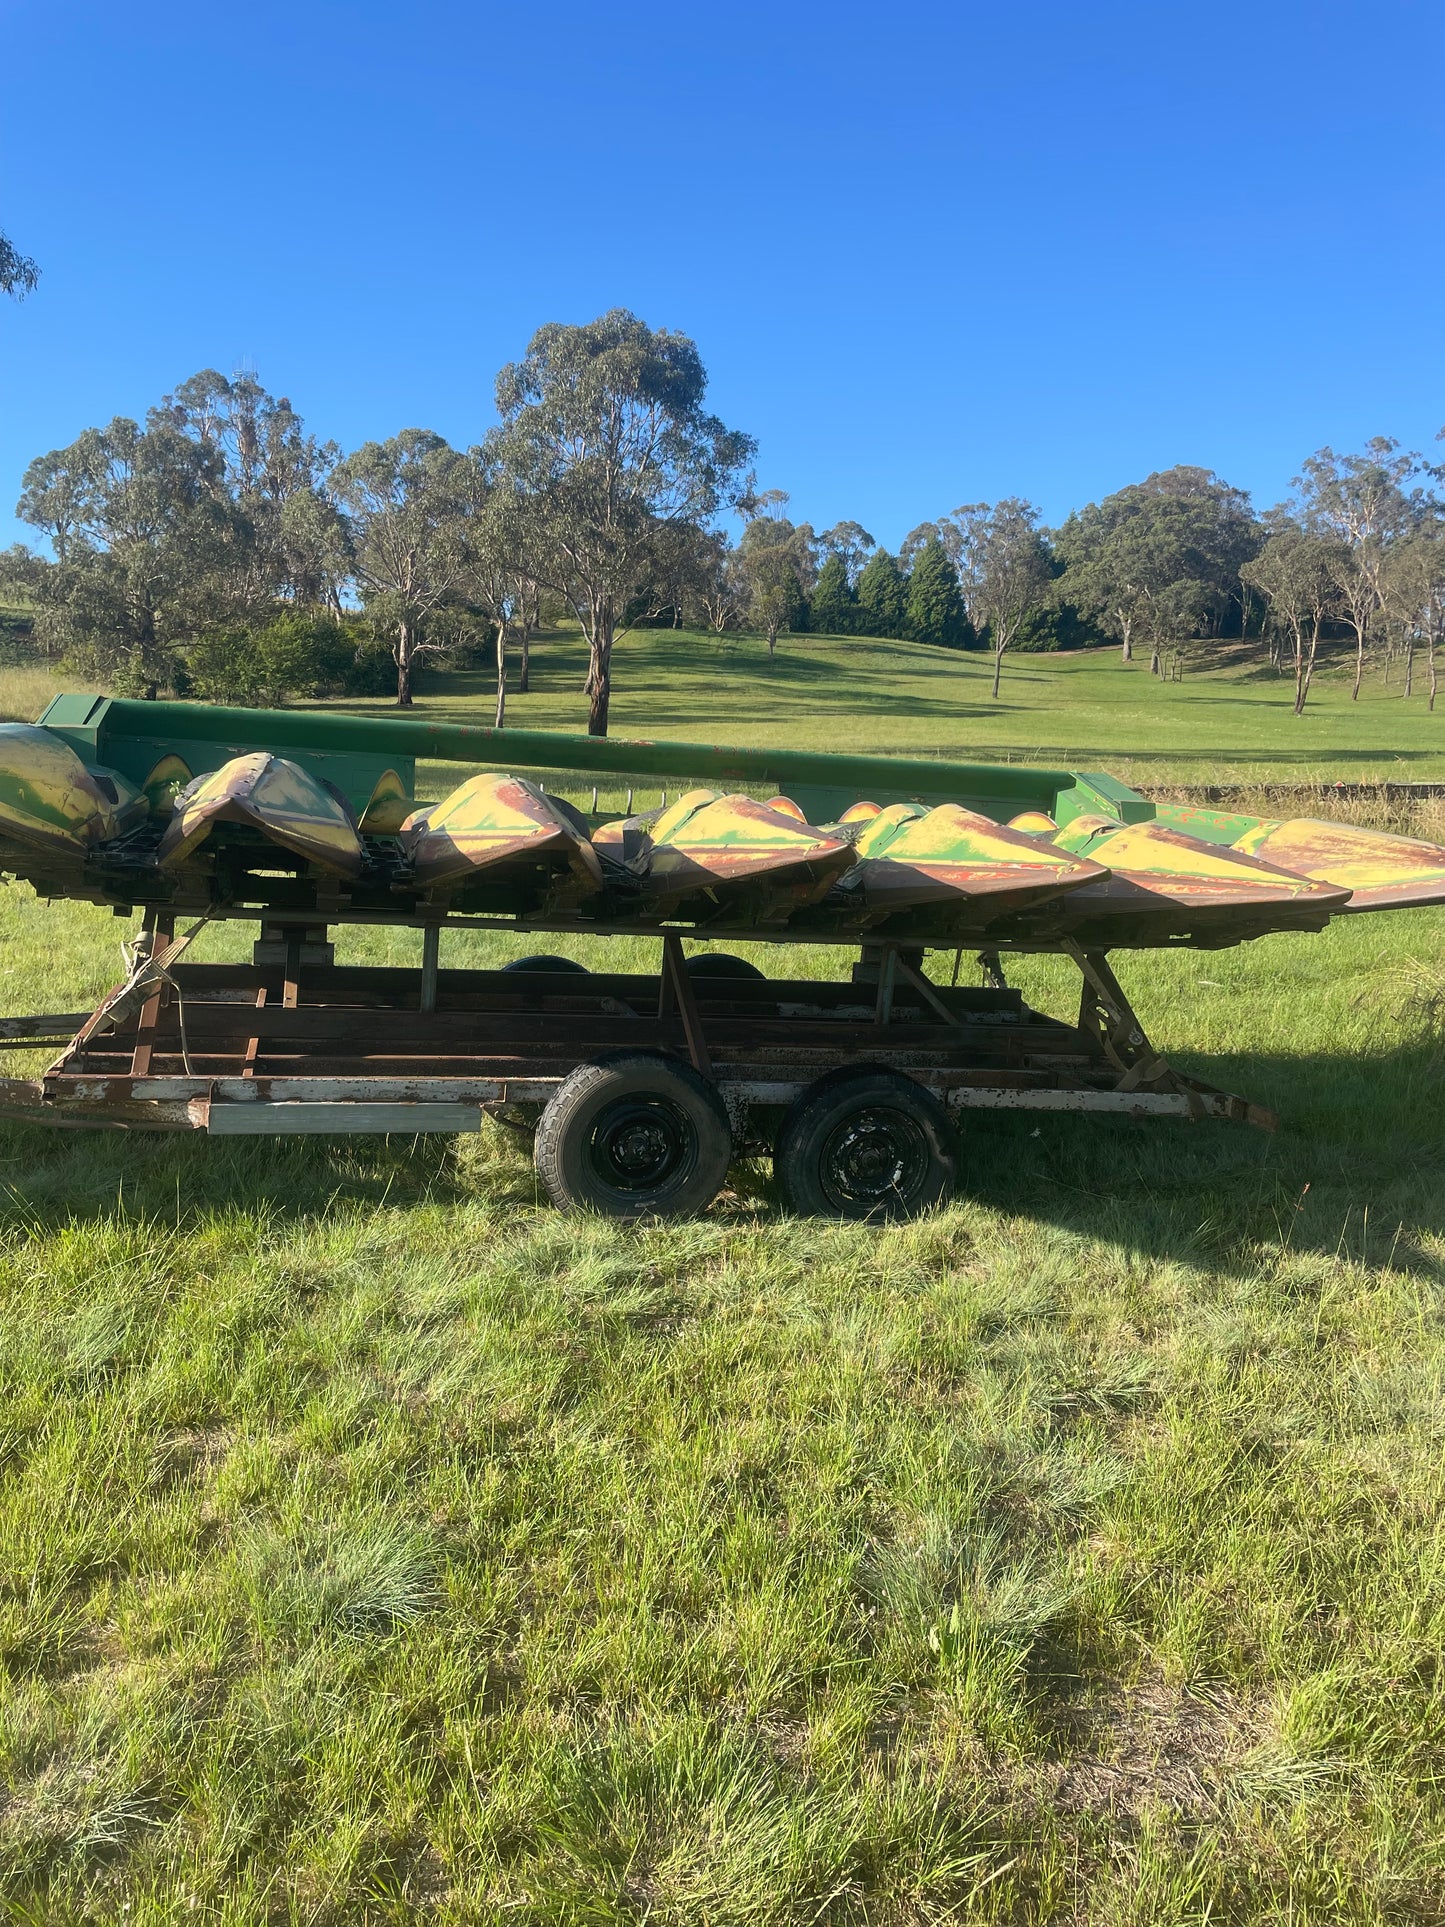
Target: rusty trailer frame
pixel 295 1043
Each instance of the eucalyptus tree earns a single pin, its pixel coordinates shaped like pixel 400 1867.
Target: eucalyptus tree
pixel 690 574
pixel 604 437
pixel 18 273
pixel 147 548
pixel 275 474
pixel 1414 586
pixel 917 540
pixel 717 590
pixel 1362 504
pixel 1005 569
pixel 851 543
pixel 775 564
pixel 1297 574
pixel 414 512
pixel 1123 556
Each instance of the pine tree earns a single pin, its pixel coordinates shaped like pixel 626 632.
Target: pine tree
pixel 832 604
pixel 935 606
pixel 883 596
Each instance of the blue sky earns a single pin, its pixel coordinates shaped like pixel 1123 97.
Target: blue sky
pixel 930 253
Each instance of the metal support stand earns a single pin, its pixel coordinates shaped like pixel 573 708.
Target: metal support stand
pixel 431 940
pixel 887 978
pixel 676 989
pixel 1106 1015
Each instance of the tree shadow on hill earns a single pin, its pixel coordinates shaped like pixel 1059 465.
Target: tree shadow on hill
pixel 857 708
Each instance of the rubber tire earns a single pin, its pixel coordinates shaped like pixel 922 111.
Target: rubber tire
pixel 564 1151
pixel 710 965
pixel 825 1108
pixel 555 966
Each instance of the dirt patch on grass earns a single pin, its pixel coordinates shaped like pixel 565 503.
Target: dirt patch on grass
pixel 1152 1744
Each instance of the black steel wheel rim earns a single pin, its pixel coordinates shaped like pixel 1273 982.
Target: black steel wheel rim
pixel 639 1144
pixel 876 1159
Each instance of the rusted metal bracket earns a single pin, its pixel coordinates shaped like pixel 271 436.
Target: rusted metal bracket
pixel 925 990
pixel 162 930
pixel 1107 1016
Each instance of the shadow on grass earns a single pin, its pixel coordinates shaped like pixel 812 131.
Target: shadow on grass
pixel 50 1178
pixel 1355 1132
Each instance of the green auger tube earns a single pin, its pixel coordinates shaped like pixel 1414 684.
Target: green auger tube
pixel 356 753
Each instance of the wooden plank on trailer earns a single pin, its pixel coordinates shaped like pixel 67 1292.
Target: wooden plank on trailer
pixel 452 1031
pixel 493 989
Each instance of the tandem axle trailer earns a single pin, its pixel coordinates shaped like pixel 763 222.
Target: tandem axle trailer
pixel 638 1089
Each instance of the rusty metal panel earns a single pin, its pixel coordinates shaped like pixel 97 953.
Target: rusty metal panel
pixel 291 1118
pixel 1192 1103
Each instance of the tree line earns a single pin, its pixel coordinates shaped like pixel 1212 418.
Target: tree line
pixel 221 550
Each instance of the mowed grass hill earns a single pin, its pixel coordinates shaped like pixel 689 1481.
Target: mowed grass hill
pixel 378 1545
pixel 1229 719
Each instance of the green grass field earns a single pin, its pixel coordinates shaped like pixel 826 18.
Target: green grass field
pixel 378 1545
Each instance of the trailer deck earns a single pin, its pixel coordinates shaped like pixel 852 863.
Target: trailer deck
pixel 293 1045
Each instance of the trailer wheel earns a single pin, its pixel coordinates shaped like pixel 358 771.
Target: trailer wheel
pixel 638 1135
pixel 558 966
pixel 715 964
pixel 865 1142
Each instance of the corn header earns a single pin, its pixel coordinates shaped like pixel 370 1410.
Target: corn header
pixel 640 1088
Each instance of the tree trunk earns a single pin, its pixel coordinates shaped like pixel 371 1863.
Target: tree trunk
pixel 772 638
pixel 998 666
pixel 1409 664
pixel 1126 626
pixel 1359 660
pixel 1154 669
pixel 1310 663
pixel 524 667
pixel 403 655
pixel 1432 674
pixel 599 677
pixel 501 719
